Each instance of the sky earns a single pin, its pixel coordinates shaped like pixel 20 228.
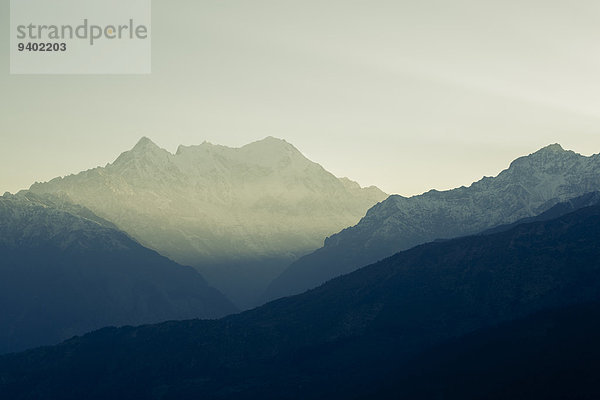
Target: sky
pixel 404 95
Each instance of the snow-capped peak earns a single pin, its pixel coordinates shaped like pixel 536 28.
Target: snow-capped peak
pixel 145 144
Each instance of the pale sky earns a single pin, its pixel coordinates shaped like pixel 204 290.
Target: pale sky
pixel 405 95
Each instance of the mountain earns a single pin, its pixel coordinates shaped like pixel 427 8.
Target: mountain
pixel 558 210
pixel 347 338
pixel 530 186
pixel 239 215
pixel 552 354
pixel 65 271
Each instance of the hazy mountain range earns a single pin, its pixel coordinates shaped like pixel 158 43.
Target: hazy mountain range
pixel 530 186
pixel 404 326
pixel 65 271
pixel 506 292
pixel 238 215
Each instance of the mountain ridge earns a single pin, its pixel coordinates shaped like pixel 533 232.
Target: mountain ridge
pixel 530 185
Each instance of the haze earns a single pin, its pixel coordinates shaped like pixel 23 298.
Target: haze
pixel 407 96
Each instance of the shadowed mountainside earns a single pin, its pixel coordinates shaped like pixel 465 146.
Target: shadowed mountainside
pixel 557 211
pixel 65 272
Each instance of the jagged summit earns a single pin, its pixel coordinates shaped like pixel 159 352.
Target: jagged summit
pixel 553 148
pixel 145 149
pixel 550 150
pixel 272 142
pixel 145 144
pixel 203 148
pixel 270 146
pixel 551 156
pixel 270 152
